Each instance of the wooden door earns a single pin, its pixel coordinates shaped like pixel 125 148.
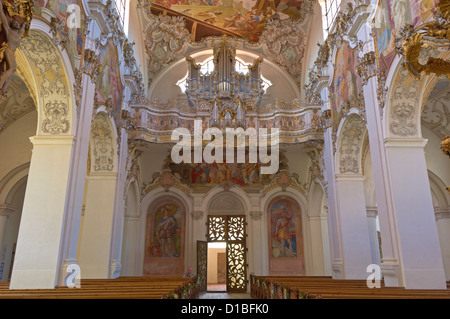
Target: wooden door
pixel 202 264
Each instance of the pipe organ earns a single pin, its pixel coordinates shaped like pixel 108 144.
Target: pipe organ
pixel 226 93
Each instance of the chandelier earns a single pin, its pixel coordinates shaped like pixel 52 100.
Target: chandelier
pixel 224 92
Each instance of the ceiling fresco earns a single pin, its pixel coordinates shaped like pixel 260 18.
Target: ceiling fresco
pixel 244 18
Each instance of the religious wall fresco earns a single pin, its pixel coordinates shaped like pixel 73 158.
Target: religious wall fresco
pixel 109 84
pixel 164 239
pixel 347 85
pixel 285 237
pixel 390 17
pixel 242 174
pixel 72 38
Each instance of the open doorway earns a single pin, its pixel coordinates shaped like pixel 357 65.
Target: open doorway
pixel 217 267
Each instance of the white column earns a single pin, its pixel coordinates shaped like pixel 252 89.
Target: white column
pixel 130 244
pixel 256 247
pixel 119 203
pixel 325 242
pixel 336 251
pixel 317 255
pixel 36 261
pixel 5 211
pixel 443 226
pixel 353 225
pixel 71 230
pixel 95 250
pixel 421 259
pixel 373 234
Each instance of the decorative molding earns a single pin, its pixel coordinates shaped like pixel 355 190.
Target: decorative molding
pixel 256 215
pixel 283 41
pixel 55 118
pixel 54 93
pixel 102 146
pixel 197 214
pixel 422 47
pixel 166 40
pixel 403 102
pixel 442 215
pixel 350 146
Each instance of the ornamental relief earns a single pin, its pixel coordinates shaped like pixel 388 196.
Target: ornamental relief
pixel 283 40
pixel 102 144
pixel 351 139
pixel 54 94
pixel 166 40
pixel 403 102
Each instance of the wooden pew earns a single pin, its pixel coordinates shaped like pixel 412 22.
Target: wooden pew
pixel 157 287
pixel 303 287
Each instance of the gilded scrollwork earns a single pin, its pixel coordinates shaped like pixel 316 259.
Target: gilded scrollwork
pixel 422 47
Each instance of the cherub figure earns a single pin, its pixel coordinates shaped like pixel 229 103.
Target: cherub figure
pixel 13 32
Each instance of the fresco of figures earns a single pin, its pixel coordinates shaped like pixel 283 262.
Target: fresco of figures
pixel 285 237
pixel 246 18
pixel 390 17
pixel 242 174
pixel 347 85
pixel 109 84
pixel 164 238
pixel 283 233
pixel 74 43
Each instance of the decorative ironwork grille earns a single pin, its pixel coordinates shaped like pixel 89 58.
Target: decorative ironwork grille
pixel 232 230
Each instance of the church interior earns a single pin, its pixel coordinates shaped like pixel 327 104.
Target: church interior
pixel 119 167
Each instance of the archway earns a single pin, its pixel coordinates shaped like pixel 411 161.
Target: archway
pixel 100 187
pixel 351 219
pixel 226 247
pixel 47 73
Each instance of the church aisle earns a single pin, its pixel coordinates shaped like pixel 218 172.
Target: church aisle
pixel 224 295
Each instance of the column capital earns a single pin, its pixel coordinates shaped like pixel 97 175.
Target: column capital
pixel 349 177
pixel 52 139
pixel 256 214
pixel 6 210
pixel 441 214
pixel 197 214
pixel 412 142
pixel 372 212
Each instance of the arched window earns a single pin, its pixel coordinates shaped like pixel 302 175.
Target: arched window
pixel 330 9
pixel 207 67
pixel 122 7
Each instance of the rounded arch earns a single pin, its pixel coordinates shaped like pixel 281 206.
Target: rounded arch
pixel 48 73
pixel 132 200
pixel 218 192
pixel 438 188
pixel 148 253
pixel 404 100
pixel 286 255
pixel 170 75
pixel 11 180
pixel 316 198
pixel 351 134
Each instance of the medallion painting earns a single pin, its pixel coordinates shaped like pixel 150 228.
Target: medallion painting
pixel 245 18
pixel 285 235
pixel 164 238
